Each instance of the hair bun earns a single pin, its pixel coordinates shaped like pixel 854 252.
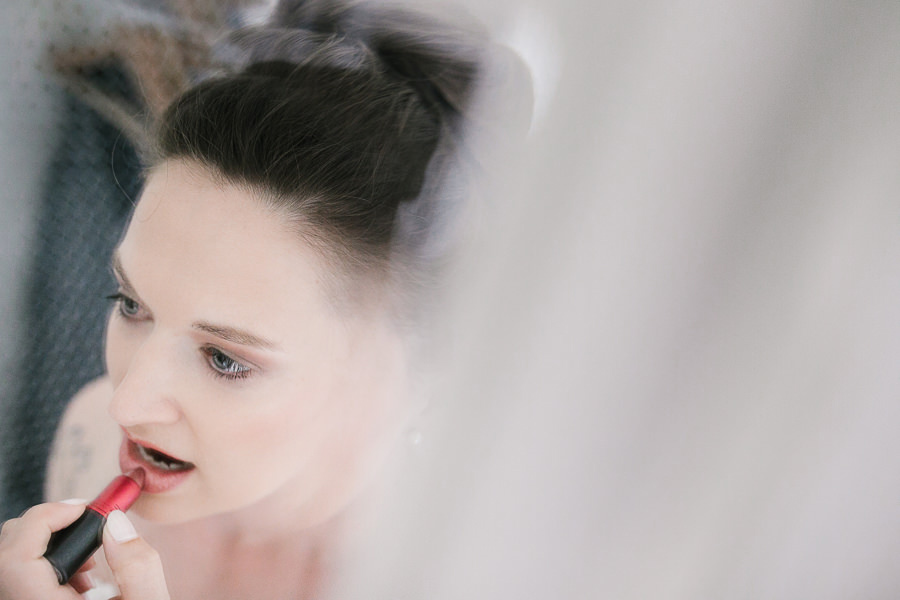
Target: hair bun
pixel 480 90
pixel 260 44
pixel 440 56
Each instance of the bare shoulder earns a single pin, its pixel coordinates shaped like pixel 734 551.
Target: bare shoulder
pixel 84 456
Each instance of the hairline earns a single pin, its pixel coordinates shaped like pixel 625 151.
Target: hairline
pixel 344 277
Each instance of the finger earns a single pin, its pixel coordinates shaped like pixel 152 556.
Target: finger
pixel 30 533
pixel 54 515
pixel 134 563
pixel 81 581
pixel 87 566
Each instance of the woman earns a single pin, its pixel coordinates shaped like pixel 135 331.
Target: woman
pixel 257 349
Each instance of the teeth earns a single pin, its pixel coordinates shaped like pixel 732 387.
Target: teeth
pixel 158 462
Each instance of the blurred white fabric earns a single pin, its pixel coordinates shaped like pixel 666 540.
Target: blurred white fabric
pixel 672 354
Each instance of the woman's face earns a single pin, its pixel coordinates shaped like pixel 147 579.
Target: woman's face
pixel 225 354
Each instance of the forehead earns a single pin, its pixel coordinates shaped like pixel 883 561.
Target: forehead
pixel 215 243
pixel 184 199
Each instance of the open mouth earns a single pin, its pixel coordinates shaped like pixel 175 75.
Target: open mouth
pixel 162 461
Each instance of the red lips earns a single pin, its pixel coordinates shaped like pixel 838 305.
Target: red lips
pixel 157 479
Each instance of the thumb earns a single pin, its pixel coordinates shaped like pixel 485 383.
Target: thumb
pixel 134 563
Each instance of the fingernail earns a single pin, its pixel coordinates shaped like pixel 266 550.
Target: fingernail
pixel 74 501
pixel 120 528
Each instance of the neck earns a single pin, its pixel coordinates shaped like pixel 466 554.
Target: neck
pixel 227 557
pixel 272 523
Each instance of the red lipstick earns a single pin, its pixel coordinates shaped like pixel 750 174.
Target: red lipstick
pixel 158 479
pixel 70 548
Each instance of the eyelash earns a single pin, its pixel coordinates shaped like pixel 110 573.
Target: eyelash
pixel 233 369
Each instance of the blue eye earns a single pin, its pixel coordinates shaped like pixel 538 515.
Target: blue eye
pixel 225 366
pixel 127 307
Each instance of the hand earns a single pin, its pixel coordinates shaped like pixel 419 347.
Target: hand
pixel 24 572
pixel 26 575
pixel 134 563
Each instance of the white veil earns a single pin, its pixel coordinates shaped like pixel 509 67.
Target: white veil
pixel 674 368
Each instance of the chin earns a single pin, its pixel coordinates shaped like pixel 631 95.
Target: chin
pixel 166 511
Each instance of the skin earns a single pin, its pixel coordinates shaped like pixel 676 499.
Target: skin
pixel 292 432
pixel 287 423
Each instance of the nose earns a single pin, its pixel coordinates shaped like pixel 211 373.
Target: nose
pixel 145 395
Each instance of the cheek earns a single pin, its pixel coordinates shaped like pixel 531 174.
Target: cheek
pixel 120 346
pixel 270 439
pixel 283 432
pixel 249 458
pixel 123 341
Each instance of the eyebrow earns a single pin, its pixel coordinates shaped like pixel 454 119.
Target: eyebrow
pixel 229 334
pixel 234 335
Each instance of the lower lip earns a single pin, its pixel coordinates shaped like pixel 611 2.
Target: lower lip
pixel 157 480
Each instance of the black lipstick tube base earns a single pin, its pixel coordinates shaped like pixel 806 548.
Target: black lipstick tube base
pixel 71 547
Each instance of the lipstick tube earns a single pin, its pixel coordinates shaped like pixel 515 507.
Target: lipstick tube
pixel 70 548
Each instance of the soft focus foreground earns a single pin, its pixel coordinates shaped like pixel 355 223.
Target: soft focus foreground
pixel 668 364
pixel 674 371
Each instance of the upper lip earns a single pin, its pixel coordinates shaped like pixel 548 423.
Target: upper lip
pixel 151 446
